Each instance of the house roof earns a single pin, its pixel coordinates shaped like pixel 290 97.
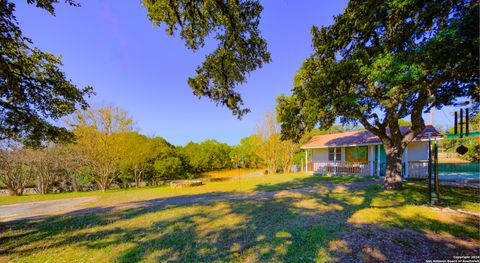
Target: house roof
pixel 361 137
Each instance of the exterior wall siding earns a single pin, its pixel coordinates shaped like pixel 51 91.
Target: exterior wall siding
pixel 418 151
pixel 320 155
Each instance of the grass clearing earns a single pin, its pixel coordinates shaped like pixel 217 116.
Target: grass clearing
pixel 340 225
pixel 262 183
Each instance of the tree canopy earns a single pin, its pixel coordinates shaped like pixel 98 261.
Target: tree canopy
pixel 208 155
pixel 245 154
pixel 234 25
pixel 33 89
pixel 382 61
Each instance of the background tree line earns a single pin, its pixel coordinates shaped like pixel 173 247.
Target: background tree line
pixel 109 151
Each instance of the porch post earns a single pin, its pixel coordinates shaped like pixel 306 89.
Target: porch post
pixel 306 160
pixel 371 151
pixel 406 162
pixel 378 160
pixel 335 160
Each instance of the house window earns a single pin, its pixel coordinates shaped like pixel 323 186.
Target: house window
pixel 356 154
pixel 331 154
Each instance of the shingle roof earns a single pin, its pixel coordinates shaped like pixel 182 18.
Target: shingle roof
pixel 361 137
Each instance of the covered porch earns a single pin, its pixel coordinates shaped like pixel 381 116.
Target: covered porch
pixel 369 160
pixel 362 153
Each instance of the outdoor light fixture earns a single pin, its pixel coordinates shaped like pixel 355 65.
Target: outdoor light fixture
pixel 461 149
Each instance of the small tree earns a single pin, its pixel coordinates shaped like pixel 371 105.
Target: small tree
pixel 99 141
pixel 287 151
pixel 46 168
pixel 137 155
pixel 15 167
pixel 267 139
pixel 246 153
pixel 75 169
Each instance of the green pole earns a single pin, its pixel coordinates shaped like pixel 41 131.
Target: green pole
pixel 437 181
pixel 429 169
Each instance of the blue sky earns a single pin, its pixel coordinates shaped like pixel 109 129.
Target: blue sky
pixel 112 46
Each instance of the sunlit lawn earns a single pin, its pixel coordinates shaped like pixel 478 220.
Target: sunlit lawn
pixel 243 185
pixel 343 225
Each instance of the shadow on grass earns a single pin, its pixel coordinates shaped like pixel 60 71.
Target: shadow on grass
pixel 450 196
pixel 294 227
pixel 313 181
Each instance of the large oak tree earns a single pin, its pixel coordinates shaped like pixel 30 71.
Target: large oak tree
pixel 33 88
pixel 34 91
pixel 234 25
pixel 382 61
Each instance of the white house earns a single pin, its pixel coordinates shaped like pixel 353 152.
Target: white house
pixel 361 152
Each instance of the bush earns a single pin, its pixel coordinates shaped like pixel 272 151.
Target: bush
pixel 169 168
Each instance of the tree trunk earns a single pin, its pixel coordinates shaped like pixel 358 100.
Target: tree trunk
pixel 393 173
pixel 41 186
pixel 272 167
pixel 137 174
pixel 13 191
pixel 286 168
pixel 102 183
pixel 73 179
pixel 101 186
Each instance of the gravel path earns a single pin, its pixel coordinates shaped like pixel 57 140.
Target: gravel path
pixel 55 207
pixel 51 207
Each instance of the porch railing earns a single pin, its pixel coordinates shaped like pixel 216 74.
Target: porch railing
pixel 416 169
pixel 341 168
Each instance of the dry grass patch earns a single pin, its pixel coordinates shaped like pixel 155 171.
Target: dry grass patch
pixel 230 172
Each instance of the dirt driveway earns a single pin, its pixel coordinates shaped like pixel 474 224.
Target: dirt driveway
pixel 17 211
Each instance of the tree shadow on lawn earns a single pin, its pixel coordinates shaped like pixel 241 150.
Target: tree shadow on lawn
pixel 342 225
pixel 315 181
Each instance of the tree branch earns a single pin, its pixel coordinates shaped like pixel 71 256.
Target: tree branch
pixel 418 123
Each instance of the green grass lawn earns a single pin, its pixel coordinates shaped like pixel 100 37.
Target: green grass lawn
pixel 244 185
pixel 339 225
